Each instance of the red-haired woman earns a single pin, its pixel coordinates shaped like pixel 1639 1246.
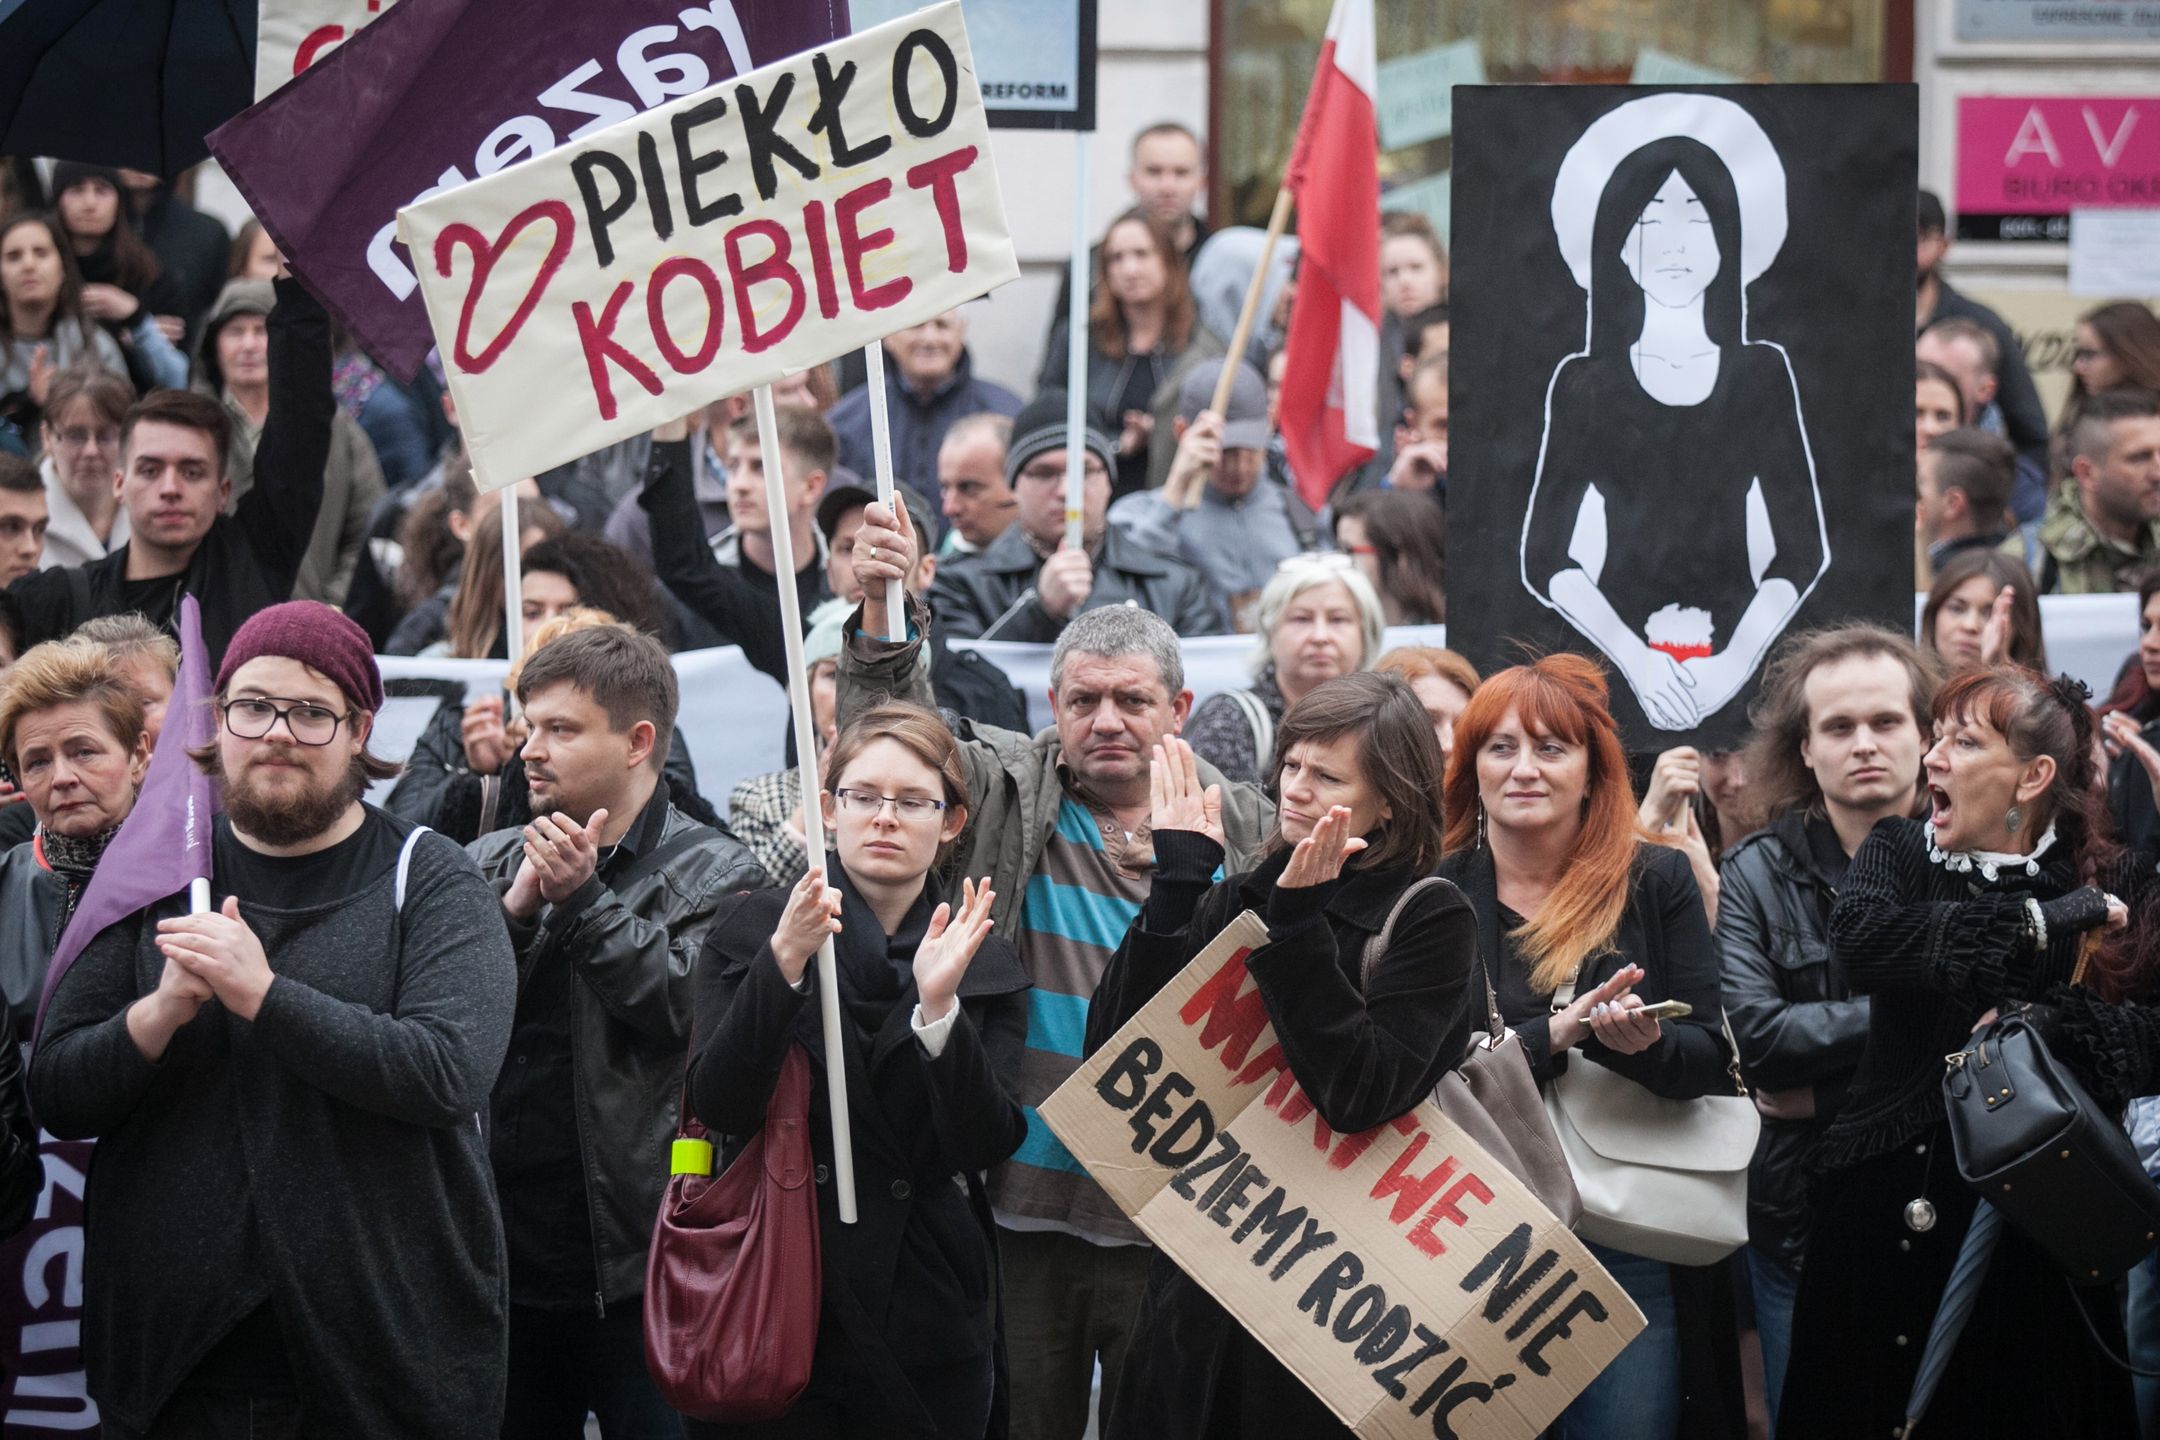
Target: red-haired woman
pixel 1983 905
pixel 1142 326
pixel 1542 837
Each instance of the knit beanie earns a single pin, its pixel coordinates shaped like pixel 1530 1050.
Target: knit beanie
pixel 67 174
pixel 319 637
pixel 1040 426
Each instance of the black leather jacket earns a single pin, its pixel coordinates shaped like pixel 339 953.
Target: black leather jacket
pixel 632 947
pixel 991 596
pixel 1797 1023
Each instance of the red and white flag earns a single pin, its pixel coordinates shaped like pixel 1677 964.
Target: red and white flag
pixel 1331 369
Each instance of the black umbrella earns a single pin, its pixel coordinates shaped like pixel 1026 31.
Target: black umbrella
pixel 123 82
pixel 1960 1292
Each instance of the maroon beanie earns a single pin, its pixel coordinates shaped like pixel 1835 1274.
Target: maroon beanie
pixel 317 636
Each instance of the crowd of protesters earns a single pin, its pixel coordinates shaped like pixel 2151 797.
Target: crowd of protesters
pixel 383 1134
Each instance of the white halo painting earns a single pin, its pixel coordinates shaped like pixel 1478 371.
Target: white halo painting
pixel 1675 520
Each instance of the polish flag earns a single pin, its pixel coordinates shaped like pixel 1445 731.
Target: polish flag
pixel 1331 369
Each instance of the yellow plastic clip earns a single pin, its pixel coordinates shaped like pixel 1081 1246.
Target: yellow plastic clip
pixel 691 1157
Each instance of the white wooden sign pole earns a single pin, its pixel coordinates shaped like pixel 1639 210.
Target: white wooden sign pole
pixel 791 631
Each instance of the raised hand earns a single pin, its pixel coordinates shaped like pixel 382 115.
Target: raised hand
pixel 1995 634
pixel 1176 799
pixel 1320 856
pixel 487 743
pixel 948 948
pixel 812 914
pixel 565 852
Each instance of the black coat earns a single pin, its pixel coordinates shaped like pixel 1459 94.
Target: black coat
pixel 1364 1051
pixel 249 560
pixel 1797 1022
pixel 1663 929
pixel 991 595
pixel 913 1283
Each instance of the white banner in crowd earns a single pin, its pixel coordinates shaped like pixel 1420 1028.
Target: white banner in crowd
pixel 735 719
pixel 291 35
pixel 720 242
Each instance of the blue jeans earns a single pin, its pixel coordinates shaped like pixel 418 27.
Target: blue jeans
pixel 1776 1286
pixel 1637 1397
pixel 2142 1320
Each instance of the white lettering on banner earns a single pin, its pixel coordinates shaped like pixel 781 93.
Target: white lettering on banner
pixel 41 1302
pixel 533 136
pixel 842 194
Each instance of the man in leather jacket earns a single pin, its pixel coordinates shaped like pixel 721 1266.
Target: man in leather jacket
pixel 1838 739
pixel 608 894
pixel 1025 585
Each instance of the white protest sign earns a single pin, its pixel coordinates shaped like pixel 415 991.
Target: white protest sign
pixel 719 242
pixel 291 35
pixel 1402 1274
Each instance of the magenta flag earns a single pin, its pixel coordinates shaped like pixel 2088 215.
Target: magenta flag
pixel 436 94
pixel 165 841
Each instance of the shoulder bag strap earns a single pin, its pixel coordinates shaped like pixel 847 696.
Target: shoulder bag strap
pixel 1260 723
pixel 1377 946
pixel 404 863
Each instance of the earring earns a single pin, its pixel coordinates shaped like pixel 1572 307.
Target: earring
pixel 1480 826
pixel 2014 818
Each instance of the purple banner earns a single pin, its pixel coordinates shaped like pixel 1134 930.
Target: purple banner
pixel 41 1297
pixel 437 94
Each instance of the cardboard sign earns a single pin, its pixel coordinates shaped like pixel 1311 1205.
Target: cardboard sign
pixel 719 242
pixel 291 35
pixel 2026 161
pixel 1680 322
pixel 429 97
pixel 1403 1274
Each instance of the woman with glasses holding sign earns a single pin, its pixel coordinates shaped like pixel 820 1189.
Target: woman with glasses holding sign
pixel 1366 1035
pixel 934 1017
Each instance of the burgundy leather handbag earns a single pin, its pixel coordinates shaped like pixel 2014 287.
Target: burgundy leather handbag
pixel 734 1279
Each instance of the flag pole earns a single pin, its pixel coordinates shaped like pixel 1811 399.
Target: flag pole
pixel 1076 356
pixel 881 448
pixel 513 561
pixel 1238 337
pixel 791 634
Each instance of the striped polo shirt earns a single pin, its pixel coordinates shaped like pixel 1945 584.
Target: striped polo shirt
pixel 1080 901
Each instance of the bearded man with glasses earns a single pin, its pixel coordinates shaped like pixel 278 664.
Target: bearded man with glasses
pixel 291 1178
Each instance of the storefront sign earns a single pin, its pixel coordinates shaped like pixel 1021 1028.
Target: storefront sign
pixel 2079 22
pixel 2026 161
pixel 1404 1275
pixel 1035 59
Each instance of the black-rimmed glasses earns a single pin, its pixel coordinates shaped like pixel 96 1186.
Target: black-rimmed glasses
pixel 254 717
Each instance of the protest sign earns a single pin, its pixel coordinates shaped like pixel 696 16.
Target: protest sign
pixel 1680 318
pixel 291 35
pixel 1402 1274
pixel 431 96
pixel 41 1303
pixel 1035 59
pixel 715 244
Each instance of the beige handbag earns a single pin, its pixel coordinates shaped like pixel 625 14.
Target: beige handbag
pixel 1665 1179
pixel 1492 1097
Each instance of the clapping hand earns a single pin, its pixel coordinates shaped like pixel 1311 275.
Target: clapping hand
pixel 1995 634
pixel 1176 799
pixel 2122 736
pixel 812 914
pixel 948 948
pixel 219 949
pixel 487 743
pixel 1320 856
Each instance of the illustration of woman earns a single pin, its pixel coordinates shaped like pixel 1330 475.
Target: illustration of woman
pixel 1675 521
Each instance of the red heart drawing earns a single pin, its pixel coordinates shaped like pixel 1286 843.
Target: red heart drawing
pixel 484 257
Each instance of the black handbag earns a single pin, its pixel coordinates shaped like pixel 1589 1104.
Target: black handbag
pixel 2042 1151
